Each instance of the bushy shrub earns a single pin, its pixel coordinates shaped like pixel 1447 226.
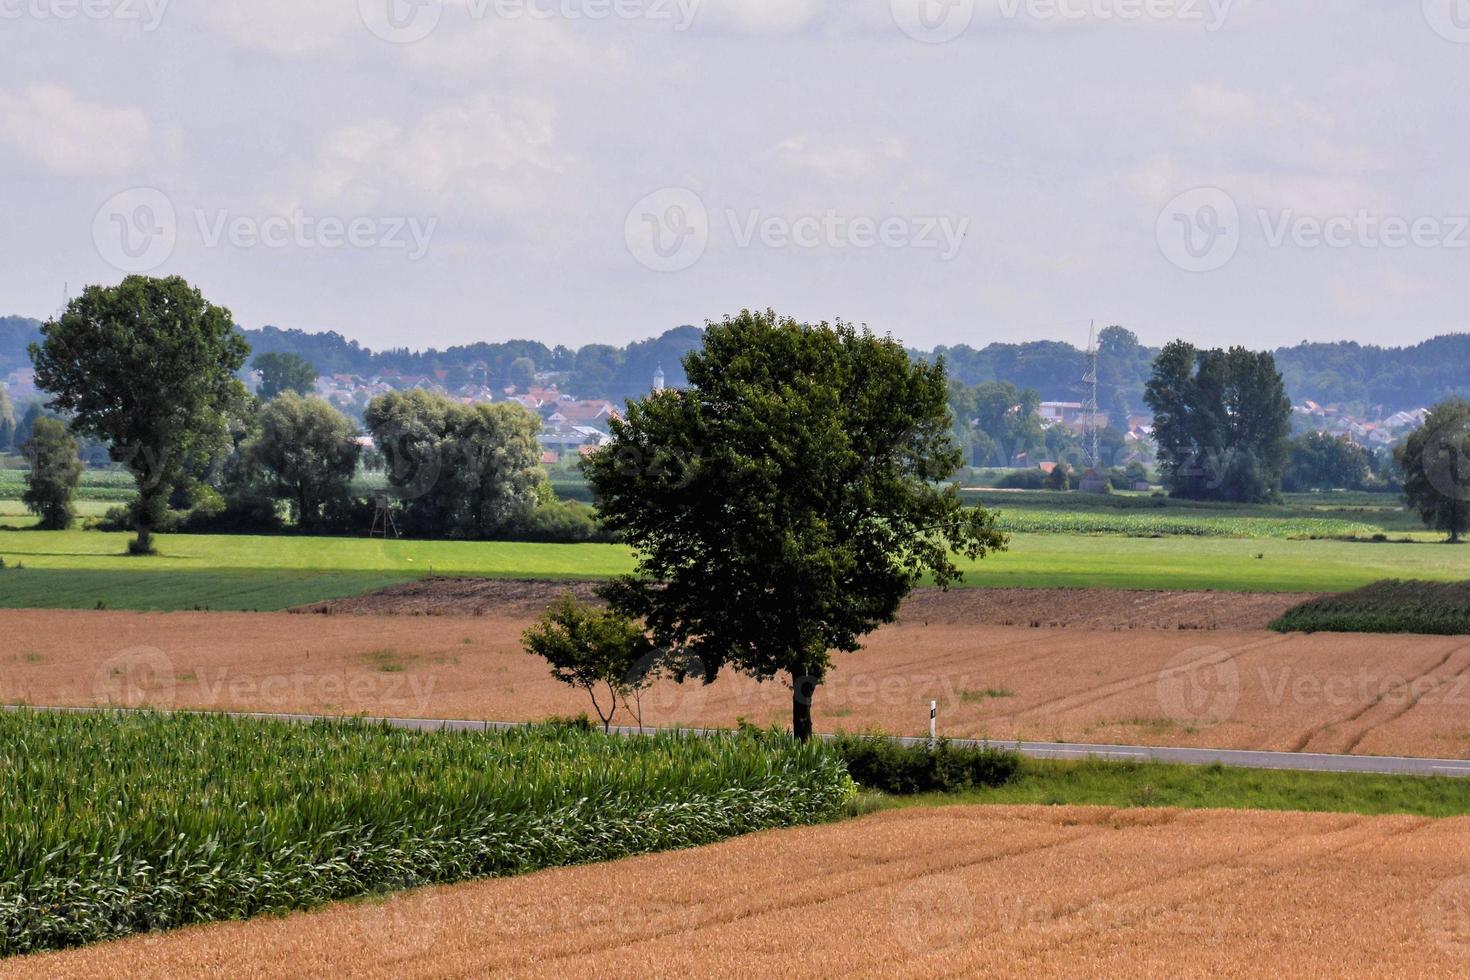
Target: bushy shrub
pixel 882 764
pixel 1033 479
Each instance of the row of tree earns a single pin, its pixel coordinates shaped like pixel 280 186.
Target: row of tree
pixel 149 367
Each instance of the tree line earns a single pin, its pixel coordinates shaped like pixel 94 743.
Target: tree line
pixel 150 369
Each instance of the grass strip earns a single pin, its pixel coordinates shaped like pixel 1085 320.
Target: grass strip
pixel 1149 784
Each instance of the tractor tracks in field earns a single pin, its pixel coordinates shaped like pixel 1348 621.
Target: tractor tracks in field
pixel 1390 704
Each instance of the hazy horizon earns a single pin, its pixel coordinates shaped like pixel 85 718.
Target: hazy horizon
pixel 576 171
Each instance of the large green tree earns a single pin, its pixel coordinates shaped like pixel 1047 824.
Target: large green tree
pixel 148 367
pixel 995 421
pixel 462 471
pixel 1436 464
pixel 1318 461
pixel 784 504
pixel 1222 422
pixel 282 372
pixel 56 471
pixel 308 452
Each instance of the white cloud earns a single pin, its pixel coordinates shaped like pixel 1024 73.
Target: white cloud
pixel 836 161
pixel 1215 103
pixel 494 152
pixel 69 136
pixel 762 15
pixel 287 26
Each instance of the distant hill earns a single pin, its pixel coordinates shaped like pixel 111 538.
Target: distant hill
pixel 1361 378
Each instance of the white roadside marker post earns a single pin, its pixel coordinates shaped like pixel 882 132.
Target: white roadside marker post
pixel 933 725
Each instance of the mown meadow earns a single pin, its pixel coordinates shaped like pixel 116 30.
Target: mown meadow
pixel 114 824
pixel 91 569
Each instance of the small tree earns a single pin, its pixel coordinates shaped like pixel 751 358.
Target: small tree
pixel 1436 464
pixel 308 452
pixel 148 367
pixel 280 373
pixel 595 650
pixel 1060 477
pixel 54 475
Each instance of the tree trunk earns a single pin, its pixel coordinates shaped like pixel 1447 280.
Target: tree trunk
pixel 144 543
pixel 802 689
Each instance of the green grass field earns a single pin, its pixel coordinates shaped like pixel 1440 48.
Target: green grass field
pixel 1126 784
pixel 80 569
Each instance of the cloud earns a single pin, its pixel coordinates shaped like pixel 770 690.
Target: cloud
pixel 493 152
pixel 835 161
pixel 762 15
pixel 287 26
pixel 69 136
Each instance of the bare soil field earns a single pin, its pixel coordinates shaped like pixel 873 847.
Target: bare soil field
pixel 951 892
pixel 1401 695
pixel 1100 609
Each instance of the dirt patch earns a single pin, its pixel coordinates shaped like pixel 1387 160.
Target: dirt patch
pixel 1097 609
pixel 973 891
pixel 1401 695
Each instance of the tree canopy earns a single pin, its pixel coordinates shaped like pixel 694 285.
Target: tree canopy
pixel 1222 421
pixel 460 471
pixel 308 451
pixel 1436 464
pixel 56 471
pixel 784 504
pixel 282 372
pixel 148 367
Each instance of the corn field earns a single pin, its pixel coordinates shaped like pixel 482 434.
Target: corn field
pixel 1143 524
pixel 1393 606
pixel 119 824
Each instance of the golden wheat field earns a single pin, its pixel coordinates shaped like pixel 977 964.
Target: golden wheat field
pixel 952 892
pixel 1400 695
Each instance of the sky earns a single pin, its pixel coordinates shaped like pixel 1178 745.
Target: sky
pixel 429 172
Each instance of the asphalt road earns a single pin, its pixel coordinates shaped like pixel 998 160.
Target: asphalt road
pixel 1237 758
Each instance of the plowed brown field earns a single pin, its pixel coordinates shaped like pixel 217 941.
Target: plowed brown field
pixel 958 892
pixel 1400 695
